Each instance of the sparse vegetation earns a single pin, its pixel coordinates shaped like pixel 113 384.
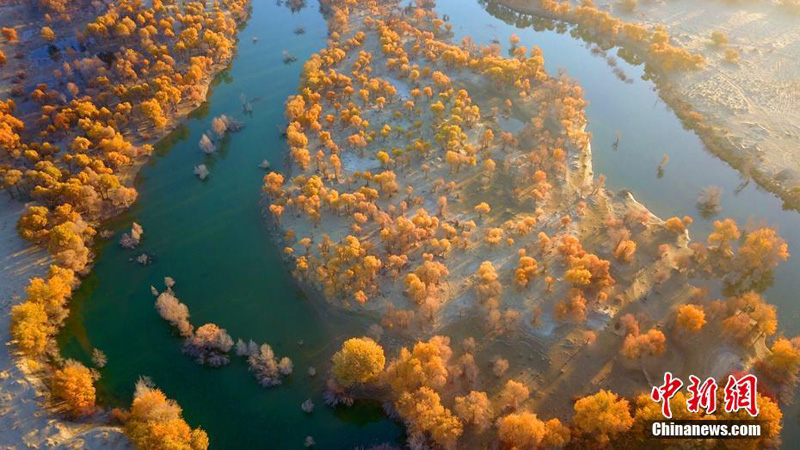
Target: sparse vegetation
pixel 719 38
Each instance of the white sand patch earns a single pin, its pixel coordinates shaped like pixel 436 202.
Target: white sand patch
pixel 355 163
pixel 403 89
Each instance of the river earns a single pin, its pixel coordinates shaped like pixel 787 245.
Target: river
pixel 210 237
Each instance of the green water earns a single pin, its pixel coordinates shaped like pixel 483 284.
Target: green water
pixel 211 239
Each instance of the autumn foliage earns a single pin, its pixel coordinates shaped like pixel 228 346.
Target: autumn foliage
pixel 359 361
pixel 691 318
pixel 70 152
pixel 30 328
pixel 407 203
pixel 652 343
pixel 422 410
pixel 74 386
pixel 782 364
pixel 520 430
pixel 155 423
pixel 425 365
pixel 602 415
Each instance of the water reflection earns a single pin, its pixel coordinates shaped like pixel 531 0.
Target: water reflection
pixel 293 5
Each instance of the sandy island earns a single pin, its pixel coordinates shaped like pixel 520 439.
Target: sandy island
pixel 440 188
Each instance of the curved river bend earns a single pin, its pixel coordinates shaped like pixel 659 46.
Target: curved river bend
pixel 210 237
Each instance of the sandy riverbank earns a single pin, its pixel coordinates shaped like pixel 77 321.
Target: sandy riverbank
pixel 24 420
pixel 24 417
pixel 751 103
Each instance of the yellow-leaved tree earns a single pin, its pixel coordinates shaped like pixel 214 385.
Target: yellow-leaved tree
pixel 29 328
pixel 602 416
pixel 73 385
pixel 359 361
pixel 424 414
pixel 520 430
pixel 155 423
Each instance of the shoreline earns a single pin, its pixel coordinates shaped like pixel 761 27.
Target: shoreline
pixel 22 389
pixel 601 297
pixel 25 418
pixel 673 89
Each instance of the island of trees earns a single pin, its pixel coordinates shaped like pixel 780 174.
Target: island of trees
pixel 446 190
